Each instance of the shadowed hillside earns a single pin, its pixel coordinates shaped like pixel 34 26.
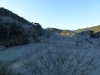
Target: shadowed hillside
pixel 15 30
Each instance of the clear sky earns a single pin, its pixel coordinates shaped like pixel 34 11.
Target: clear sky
pixel 62 14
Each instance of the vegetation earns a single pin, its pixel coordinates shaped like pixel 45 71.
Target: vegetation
pixel 15 30
pixel 5 12
pixel 64 56
pixel 5 69
pixel 57 55
pixel 67 33
pixel 94 28
pixel 88 33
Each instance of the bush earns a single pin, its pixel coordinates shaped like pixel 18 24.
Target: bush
pixel 13 34
pixel 4 32
pixel 5 69
pixel 86 34
pixel 37 34
pixel 38 29
pixel 97 35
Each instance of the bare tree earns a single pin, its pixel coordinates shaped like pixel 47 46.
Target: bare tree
pixel 58 59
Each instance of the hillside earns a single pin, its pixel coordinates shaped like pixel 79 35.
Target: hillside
pixel 5 12
pixel 94 28
pixel 15 30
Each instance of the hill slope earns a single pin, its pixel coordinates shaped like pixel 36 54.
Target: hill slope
pixel 94 28
pixel 15 30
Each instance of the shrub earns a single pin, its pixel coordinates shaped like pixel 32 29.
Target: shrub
pixel 97 35
pixel 5 69
pixel 4 32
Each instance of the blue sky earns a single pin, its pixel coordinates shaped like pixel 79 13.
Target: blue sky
pixel 62 14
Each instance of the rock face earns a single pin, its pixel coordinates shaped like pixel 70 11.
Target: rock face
pixel 2 48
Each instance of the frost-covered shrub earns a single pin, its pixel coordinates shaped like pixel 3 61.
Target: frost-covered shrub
pixel 83 37
pixel 5 69
pixel 48 33
pixel 38 29
pixel 97 35
pixel 37 33
pixel 85 34
pixel 12 34
pixel 4 32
